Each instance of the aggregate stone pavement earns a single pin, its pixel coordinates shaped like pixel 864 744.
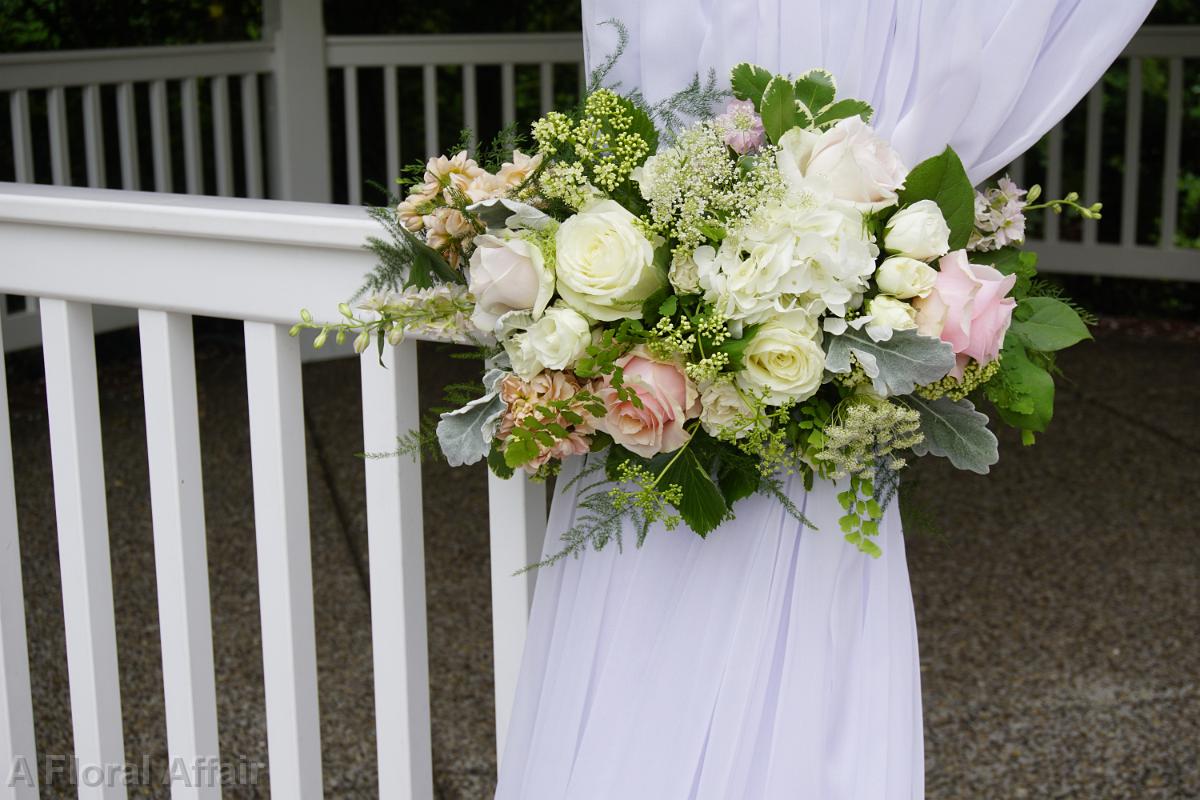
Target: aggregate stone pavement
pixel 1058 600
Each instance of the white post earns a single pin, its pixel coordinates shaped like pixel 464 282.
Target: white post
pixel 298 106
pixel 517 517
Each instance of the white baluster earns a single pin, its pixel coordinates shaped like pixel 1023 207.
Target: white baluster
pixel 517 517
pixel 222 137
pixel 160 136
pixel 180 558
pixel 127 136
pixel 251 136
pixel 546 86
pixel 1170 196
pixel 1091 156
pixel 18 758
pixel 284 560
pixel 93 136
pixel 193 158
pixel 1133 146
pixel 1054 157
pixel 391 123
pixel 397 563
pixel 429 98
pixel 353 157
pixel 508 95
pixel 60 151
pixel 470 105
pixel 18 111
pixel 74 413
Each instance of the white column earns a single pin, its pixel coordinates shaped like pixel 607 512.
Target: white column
pixel 299 107
pixel 517 517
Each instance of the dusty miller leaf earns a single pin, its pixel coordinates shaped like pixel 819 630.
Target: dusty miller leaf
pixel 466 434
pixel 897 366
pixel 955 430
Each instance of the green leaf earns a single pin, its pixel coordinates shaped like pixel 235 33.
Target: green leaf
pixel 956 431
pixel 736 348
pixel 669 306
pixel 703 507
pixel 1047 324
pixel 778 110
pixel 520 451
pixel 943 180
pixel 641 125
pixel 1011 261
pixel 815 89
pixel 738 480
pixel 428 267
pixel 497 463
pixel 748 82
pixel 842 109
pixel 1022 391
pixel 897 366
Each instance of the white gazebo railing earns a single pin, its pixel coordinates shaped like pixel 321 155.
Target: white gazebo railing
pixel 170 257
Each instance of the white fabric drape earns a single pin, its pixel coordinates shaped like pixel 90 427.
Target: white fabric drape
pixel 988 77
pixel 770 661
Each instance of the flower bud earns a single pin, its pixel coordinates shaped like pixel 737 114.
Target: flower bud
pixel 362 342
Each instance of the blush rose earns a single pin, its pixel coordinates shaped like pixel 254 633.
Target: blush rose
pixel 668 399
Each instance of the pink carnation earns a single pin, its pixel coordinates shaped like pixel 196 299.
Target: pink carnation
pixel 668 399
pixel 969 307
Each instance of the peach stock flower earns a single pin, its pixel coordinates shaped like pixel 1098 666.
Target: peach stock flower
pixel 668 399
pixel 969 308
pixel 522 397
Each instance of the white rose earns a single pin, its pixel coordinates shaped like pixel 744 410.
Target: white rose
pixel 684 275
pixel 904 277
pixel 720 405
pixel 849 160
pixel 506 275
pixel 783 361
pixel 887 314
pixel 605 264
pixel 556 341
pixel 918 231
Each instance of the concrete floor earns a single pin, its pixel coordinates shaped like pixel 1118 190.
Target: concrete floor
pixel 1058 604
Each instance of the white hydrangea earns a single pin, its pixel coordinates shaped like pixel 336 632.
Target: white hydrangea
pixel 792 252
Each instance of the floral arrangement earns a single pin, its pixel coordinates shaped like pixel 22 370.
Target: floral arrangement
pixel 705 308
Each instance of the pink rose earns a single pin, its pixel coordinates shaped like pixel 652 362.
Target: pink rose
pixel 969 308
pixel 668 400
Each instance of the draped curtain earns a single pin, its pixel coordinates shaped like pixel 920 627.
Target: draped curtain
pixel 988 77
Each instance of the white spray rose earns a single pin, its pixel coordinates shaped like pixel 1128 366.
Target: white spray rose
pixel 507 274
pixel 605 263
pixel 684 275
pixel 849 160
pixel 783 361
pixel 556 341
pixel 887 314
pixel 905 278
pixel 720 405
pixel 918 231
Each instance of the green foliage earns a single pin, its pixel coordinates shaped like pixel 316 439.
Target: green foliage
pixel 943 179
pixel 843 109
pixel 1046 324
pixel 404 260
pixel 1023 390
pixel 860 523
pixel 778 108
pixel 815 90
pixel 748 82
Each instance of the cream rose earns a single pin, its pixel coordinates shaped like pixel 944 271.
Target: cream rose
pixel 784 360
pixel 888 314
pixel 849 160
pixel 918 231
pixel 684 275
pixel 556 341
pixel 605 264
pixel 507 274
pixel 905 278
pixel 721 403
pixel 668 398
